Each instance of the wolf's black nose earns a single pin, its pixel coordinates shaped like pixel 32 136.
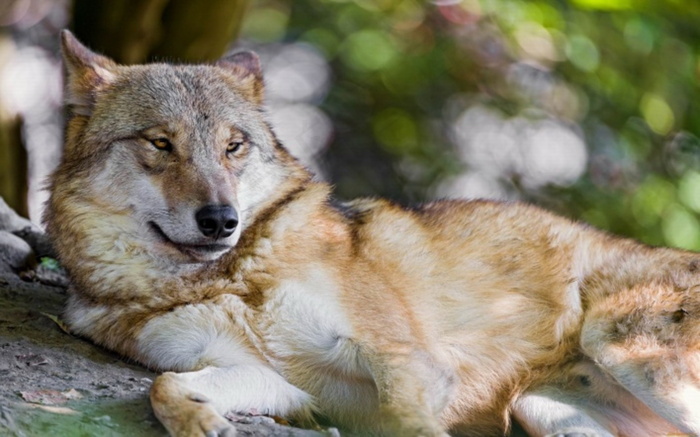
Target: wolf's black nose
pixel 217 221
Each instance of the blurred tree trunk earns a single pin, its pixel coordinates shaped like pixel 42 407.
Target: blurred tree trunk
pixel 13 165
pixel 134 31
pixel 13 155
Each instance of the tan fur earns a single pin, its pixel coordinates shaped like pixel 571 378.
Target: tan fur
pixel 448 317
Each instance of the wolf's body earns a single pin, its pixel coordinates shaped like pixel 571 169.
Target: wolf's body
pixel 449 317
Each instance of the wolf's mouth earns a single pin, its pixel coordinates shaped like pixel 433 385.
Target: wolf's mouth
pixel 188 249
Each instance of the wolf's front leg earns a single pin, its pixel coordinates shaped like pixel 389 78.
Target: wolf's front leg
pixel 413 391
pixel 193 403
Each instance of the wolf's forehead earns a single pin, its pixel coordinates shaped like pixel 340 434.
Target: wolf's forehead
pixel 184 92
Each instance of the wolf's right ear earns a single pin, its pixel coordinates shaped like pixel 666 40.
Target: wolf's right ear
pixel 245 67
pixel 86 74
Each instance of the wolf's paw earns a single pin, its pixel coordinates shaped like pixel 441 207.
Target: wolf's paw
pixel 572 434
pixel 204 420
pixel 185 413
pixel 195 417
pixel 575 432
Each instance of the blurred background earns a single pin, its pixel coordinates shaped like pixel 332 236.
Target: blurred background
pixel 587 107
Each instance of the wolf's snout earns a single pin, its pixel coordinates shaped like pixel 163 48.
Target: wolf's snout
pixel 217 221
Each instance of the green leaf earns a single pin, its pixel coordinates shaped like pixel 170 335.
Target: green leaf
pixel 50 263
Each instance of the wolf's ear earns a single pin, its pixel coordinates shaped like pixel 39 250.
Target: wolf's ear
pixel 86 74
pixel 245 67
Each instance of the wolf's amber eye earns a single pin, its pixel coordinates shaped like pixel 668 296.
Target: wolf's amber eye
pixel 234 146
pixel 162 144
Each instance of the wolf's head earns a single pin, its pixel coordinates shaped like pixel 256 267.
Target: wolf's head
pixel 171 160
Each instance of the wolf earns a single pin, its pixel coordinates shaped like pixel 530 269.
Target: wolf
pixel 199 247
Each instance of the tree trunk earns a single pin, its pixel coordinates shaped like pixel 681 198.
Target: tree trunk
pixel 134 31
pixel 13 155
pixel 13 165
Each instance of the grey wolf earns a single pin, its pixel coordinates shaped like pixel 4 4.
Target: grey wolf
pixel 199 247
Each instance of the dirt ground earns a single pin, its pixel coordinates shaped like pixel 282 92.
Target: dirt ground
pixel 54 383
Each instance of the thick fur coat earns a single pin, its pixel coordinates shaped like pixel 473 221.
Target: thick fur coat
pixel 448 317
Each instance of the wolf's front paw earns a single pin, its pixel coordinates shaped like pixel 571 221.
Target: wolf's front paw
pixel 198 418
pixel 574 432
pixel 185 413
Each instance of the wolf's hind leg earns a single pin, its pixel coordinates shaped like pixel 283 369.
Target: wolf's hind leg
pixel 648 339
pixel 193 403
pixel 662 381
pixel 549 411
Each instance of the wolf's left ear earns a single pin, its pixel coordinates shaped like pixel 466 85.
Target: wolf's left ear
pixel 245 67
pixel 86 74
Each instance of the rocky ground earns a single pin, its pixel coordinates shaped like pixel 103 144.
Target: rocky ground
pixel 52 383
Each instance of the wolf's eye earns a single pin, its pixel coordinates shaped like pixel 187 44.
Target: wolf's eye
pixel 162 144
pixel 234 146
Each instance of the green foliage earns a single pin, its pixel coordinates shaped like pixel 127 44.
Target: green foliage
pixel 623 74
pixel 50 263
